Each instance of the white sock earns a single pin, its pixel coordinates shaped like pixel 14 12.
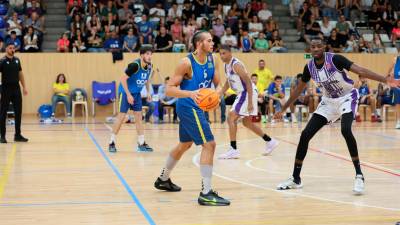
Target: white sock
pixel 169 165
pixel 141 139
pixel 206 173
pixel 112 138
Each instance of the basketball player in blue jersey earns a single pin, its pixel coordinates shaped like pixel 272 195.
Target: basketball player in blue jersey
pixel 198 70
pixel 136 76
pixel 339 100
pixel 394 71
pixel 245 104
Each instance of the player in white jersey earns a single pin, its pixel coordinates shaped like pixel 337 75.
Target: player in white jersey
pixel 245 104
pixel 339 100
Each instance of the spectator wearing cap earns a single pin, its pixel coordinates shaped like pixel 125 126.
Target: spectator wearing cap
pixel 14 40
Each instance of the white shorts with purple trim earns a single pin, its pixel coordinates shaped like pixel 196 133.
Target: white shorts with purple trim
pixel 241 104
pixel 333 108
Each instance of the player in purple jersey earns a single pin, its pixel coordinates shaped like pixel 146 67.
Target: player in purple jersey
pixel 339 100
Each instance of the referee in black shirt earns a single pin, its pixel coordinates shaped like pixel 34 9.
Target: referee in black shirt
pixel 11 76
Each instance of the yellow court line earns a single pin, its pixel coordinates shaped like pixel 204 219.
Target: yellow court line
pixel 7 170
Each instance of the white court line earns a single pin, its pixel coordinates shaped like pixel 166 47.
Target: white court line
pixel 250 165
pixel 195 162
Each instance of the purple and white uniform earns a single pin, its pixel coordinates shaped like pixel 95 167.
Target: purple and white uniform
pixel 238 85
pixel 338 93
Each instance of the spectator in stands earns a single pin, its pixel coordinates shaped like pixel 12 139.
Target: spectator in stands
pixel 31 41
pixel 110 8
pixel 36 23
pixel 34 7
pixel 174 12
pixel 147 101
pixel 72 10
pixel 188 30
pixel 364 46
pixel 187 11
pixel 294 7
pixel 111 25
pixel 73 4
pixel 374 18
pixel 248 12
pixel 17 6
pixel 381 5
pixel 351 45
pixel 124 12
pixel 93 22
pixel 255 27
pixel 334 44
pixel 145 31
pixel 205 24
pixel 396 33
pixel 276 95
pixel 229 39
pixel 242 3
pixel 63 43
pixel 77 24
pixel 246 42
pixel 256 5
pixel 91 7
pixel 312 29
pixel 276 43
pixel 163 41
pixel 355 11
pixel 127 25
pixel 264 14
pixel 377 44
pixel 326 26
pixel 177 31
pixel 113 44
pixel 234 10
pixel 366 98
pixel 343 29
pixel 201 8
pixel 304 17
pixel 314 8
pixel 269 27
pixel 78 42
pixel 61 94
pixel 95 42
pixel 15 24
pixel 219 12
pixel 157 13
pixel 165 101
pixel 15 40
pixel 389 17
pixel 329 9
pixel 343 7
pixel 218 27
pixel 130 41
pixel 305 97
pixel 261 44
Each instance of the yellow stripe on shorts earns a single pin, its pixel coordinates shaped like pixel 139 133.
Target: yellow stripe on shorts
pixel 119 102
pixel 199 126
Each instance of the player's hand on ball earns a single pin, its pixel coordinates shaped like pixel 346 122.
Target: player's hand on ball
pixel 196 96
pixel 130 99
pixel 278 115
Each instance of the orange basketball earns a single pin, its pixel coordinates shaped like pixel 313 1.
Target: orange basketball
pixel 209 99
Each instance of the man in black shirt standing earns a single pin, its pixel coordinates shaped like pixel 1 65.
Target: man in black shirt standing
pixel 163 42
pixel 11 77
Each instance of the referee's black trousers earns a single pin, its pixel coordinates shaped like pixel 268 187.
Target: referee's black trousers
pixel 10 94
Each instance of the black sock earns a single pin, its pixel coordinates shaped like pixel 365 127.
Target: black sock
pixel 266 138
pixel 296 172
pixel 233 145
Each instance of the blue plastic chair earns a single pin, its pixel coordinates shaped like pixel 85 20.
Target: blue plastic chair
pixel 103 94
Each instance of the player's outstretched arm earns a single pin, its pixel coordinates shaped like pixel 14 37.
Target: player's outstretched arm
pixel 172 90
pixel 364 72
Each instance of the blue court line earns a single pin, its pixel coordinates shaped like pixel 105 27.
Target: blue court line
pixel 121 178
pixel 63 203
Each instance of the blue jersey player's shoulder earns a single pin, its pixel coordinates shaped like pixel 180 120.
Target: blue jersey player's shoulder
pixel 132 68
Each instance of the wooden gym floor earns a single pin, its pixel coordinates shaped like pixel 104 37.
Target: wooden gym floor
pixel 65 175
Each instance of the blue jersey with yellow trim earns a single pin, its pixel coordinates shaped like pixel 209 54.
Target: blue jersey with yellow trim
pixel 138 80
pixel 202 77
pixel 397 69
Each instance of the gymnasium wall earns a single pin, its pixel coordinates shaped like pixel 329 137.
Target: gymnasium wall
pixel 41 69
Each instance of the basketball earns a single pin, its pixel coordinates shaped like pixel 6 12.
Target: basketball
pixel 209 99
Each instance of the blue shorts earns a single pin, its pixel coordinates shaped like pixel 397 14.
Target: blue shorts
pixel 124 105
pixel 193 125
pixel 396 97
